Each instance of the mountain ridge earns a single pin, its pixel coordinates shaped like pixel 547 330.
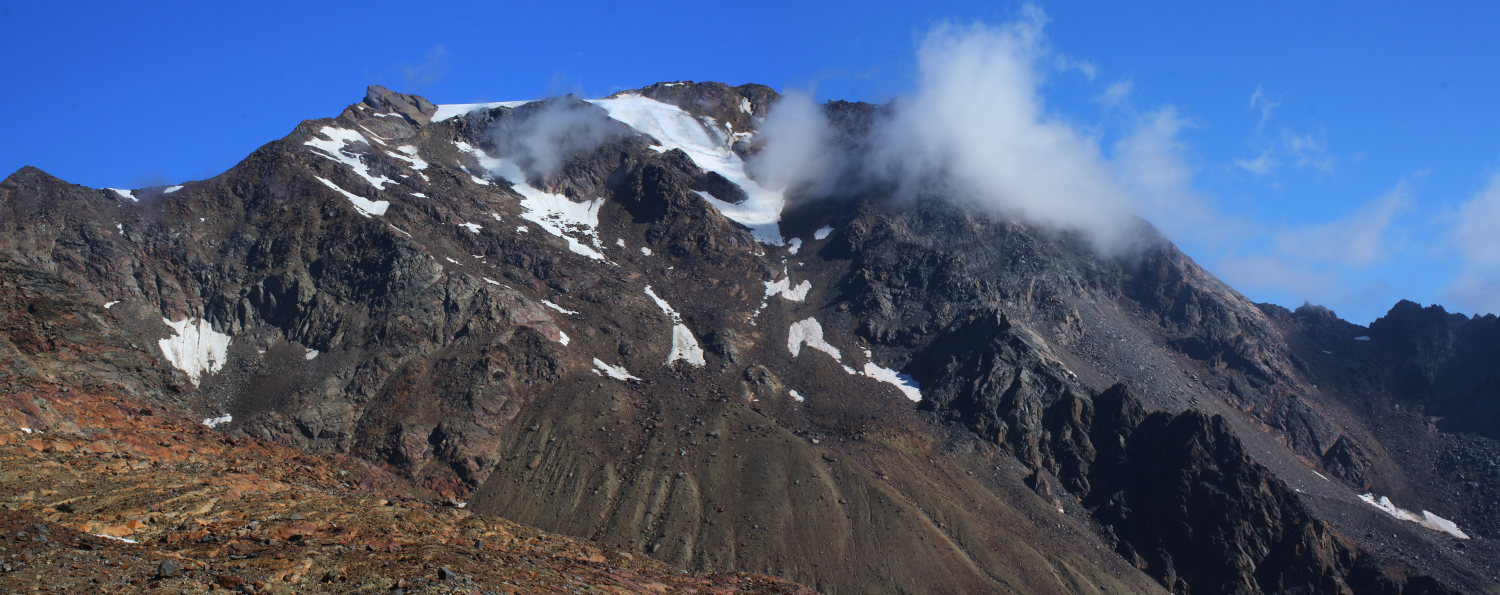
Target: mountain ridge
pixel 448 352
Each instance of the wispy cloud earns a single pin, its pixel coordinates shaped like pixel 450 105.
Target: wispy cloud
pixel 1088 69
pixel 1118 92
pixel 1476 239
pixel 1327 262
pixel 433 67
pixel 1307 150
pixel 1286 146
pixel 802 136
pixel 1263 104
pixel 1366 237
pixel 1152 163
pixel 1262 165
pixel 1277 273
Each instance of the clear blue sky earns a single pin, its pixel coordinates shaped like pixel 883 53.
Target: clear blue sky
pixel 1346 174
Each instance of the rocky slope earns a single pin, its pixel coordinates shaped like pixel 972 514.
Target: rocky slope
pixel 631 340
pixel 103 492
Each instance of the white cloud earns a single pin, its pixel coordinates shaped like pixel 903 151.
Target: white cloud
pixel 1088 69
pixel 1303 150
pixel 1364 238
pixel 977 123
pixel 1307 150
pixel 1327 263
pixel 434 66
pixel 1152 164
pixel 797 144
pixel 1263 104
pixel 1476 238
pixel 1277 273
pixel 1118 92
pixel 544 139
pixel 1261 165
pixel 978 129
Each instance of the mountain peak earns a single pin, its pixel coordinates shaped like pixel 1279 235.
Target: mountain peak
pixel 382 100
pixel 30 173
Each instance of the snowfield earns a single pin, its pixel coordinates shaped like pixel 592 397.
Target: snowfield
pixel 333 149
pixel 786 290
pixel 195 347
pixel 364 205
pixel 906 384
pixel 454 110
pixel 684 344
pixel 808 332
pixel 710 149
pixel 616 372
pixel 554 213
pixel 1425 519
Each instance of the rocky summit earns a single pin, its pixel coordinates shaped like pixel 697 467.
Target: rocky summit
pixel 584 346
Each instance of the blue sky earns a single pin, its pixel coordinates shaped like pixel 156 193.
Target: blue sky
pixel 1347 153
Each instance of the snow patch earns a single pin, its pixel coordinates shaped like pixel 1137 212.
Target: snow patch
pixel 195 347
pixel 214 422
pixel 114 538
pixel 26 430
pixel 120 227
pixel 796 396
pixel 684 344
pixel 1426 519
pixel 645 251
pixel 364 205
pixel 822 233
pixel 710 149
pixel 558 308
pixel 616 372
pixel 124 194
pixel 408 153
pixel 745 105
pixel 108 305
pixel 485 161
pixel 454 110
pixel 490 281
pixel 794 245
pixel 1362 338
pixel 472 227
pixel 333 149
pixel 310 355
pixel 785 289
pixel 809 332
pixel 171 189
pixel 554 213
pixel 563 338
pixel 906 384
pixel 476 179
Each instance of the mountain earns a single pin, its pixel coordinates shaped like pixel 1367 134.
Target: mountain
pixel 590 318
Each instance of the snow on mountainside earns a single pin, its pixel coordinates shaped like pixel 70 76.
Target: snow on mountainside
pixel 588 316
pixel 710 148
